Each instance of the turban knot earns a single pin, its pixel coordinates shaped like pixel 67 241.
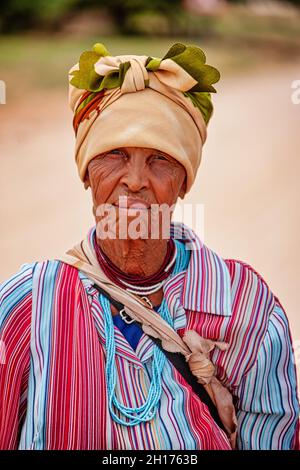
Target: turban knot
pixel 136 76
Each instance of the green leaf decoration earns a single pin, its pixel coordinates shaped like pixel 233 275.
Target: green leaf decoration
pixel 192 59
pixel 122 71
pixel 110 81
pixel 115 79
pixel 86 78
pixel 177 49
pixel 202 101
pixel 152 64
pixel 100 49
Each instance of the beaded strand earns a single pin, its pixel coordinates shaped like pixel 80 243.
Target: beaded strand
pixel 145 412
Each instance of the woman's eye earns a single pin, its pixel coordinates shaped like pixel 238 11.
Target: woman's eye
pixel 117 152
pixel 159 157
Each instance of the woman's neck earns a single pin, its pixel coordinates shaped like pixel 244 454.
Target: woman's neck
pixel 142 257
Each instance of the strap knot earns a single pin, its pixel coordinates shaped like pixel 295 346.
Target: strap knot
pixel 135 77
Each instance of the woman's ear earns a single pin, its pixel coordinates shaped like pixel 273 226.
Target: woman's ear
pixel 183 189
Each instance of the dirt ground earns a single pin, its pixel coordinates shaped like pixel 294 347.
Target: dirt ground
pixel 248 181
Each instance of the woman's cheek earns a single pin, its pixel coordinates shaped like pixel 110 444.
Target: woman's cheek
pixel 105 185
pixel 165 187
pixel 165 196
pixel 97 187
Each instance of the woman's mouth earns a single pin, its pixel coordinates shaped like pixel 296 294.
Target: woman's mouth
pixel 125 202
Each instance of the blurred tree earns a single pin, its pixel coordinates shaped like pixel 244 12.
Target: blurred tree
pixel 16 15
pixel 122 10
pixel 27 14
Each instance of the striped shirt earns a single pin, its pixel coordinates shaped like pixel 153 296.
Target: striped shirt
pixel 52 371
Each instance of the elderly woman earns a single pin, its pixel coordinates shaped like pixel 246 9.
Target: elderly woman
pixel 141 337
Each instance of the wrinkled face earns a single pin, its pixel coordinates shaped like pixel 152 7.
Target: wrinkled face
pixel 135 178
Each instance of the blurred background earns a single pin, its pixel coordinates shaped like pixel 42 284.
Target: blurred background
pixel 249 176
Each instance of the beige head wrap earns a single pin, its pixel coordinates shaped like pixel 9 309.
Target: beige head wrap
pixel 148 110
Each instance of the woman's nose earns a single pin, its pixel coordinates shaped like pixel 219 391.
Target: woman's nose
pixel 136 177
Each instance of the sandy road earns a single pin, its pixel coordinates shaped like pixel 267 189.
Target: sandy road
pixel 248 183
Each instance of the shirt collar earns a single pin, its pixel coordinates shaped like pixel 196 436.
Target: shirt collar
pixel 206 285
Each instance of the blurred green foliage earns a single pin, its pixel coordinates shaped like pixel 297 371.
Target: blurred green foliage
pixel 123 10
pixel 22 15
pixel 129 16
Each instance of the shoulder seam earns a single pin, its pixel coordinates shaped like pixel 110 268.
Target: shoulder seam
pixel 250 268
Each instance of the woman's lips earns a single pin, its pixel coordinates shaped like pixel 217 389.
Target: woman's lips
pixel 125 202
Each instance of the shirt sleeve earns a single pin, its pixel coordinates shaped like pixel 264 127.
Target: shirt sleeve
pixel 267 405
pixel 15 319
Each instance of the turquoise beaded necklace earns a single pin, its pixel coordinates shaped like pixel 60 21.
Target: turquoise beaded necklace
pixel 145 412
